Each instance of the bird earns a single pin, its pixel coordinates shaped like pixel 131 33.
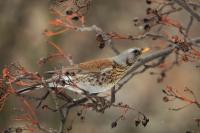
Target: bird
pixel 95 76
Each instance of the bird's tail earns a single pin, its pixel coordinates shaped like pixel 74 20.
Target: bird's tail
pixel 66 83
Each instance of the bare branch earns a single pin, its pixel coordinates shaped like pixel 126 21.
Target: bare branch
pixel 183 4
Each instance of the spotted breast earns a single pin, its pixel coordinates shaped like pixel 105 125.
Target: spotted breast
pixel 96 78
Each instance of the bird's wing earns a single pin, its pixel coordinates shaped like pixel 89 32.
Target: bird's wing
pixel 86 76
pixel 96 65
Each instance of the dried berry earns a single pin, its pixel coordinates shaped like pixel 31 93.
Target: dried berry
pixel 67 73
pixel 18 130
pixel 130 37
pixel 62 82
pixel 151 73
pixel 120 103
pixel 148 1
pixel 69 12
pixel 69 128
pixel 137 122
pixel 145 20
pixel 44 106
pixel 78 113
pixel 7 131
pixel 149 11
pixel 145 121
pixel 82 118
pixel 184 47
pixel 135 20
pixel 159 80
pixel 185 58
pixel 99 38
pixel 101 45
pixel 154 38
pixel 165 99
pixel 163 74
pixel 75 18
pixel 147 27
pixel 72 73
pixel 114 124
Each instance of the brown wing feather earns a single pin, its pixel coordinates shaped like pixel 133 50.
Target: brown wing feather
pixel 96 65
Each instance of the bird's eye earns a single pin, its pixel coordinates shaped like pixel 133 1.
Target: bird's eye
pixel 136 52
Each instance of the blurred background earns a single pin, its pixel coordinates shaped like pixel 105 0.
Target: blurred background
pixel 22 23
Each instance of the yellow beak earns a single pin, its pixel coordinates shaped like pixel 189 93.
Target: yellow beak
pixel 144 50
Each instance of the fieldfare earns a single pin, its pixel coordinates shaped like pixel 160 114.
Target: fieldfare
pixel 92 77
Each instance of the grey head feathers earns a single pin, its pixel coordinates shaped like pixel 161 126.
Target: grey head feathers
pixel 128 57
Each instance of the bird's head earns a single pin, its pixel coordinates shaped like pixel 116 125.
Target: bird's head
pixel 128 57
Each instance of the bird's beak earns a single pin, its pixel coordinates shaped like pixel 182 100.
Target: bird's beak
pixel 144 50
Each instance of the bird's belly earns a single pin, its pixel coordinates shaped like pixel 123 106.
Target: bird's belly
pixel 93 84
pixel 90 83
